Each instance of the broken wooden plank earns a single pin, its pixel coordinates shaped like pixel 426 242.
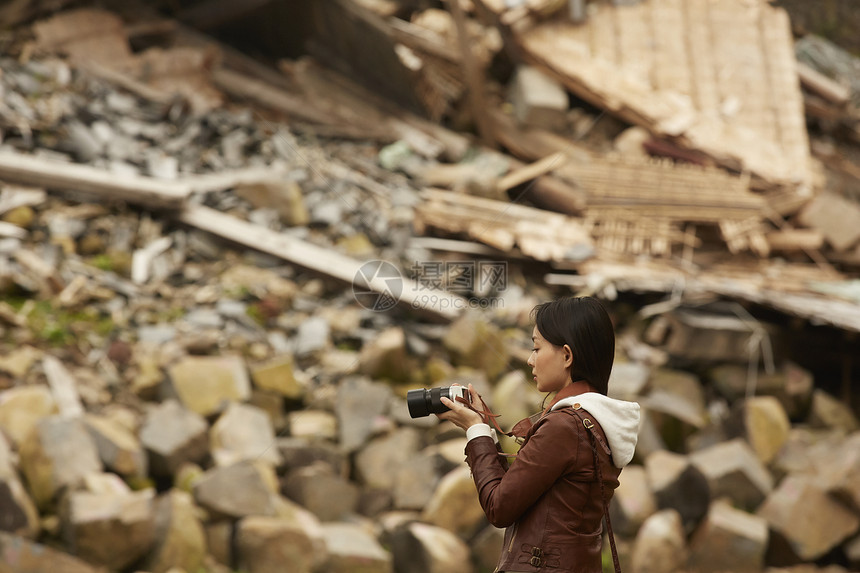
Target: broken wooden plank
pixel 795 240
pixel 473 74
pixel 770 285
pixel 819 84
pixel 532 171
pixel 439 304
pixel 538 234
pixel 60 176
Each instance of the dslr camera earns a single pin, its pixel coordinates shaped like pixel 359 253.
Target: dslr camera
pixel 424 401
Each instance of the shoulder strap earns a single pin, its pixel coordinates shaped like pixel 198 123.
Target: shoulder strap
pixel 595 438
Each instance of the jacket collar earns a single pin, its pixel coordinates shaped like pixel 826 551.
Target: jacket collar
pixel 573 389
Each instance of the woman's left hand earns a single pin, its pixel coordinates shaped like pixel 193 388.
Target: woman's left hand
pixel 459 414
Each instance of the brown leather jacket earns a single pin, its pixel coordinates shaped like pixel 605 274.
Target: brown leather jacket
pixel 549 498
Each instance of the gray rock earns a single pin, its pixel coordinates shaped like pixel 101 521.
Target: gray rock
pixel 734 471
pixel 119 449
pixel 538 99
pixel 173 435
pixel 678 485
pixel 326 494
pixel 377 464
pixel 352 549
pixel 513 398
pixel 762 421
pixel 113 529
pixel 206 384
pixel 266 544
pixel 416 481
pixel 633 501
pixel 63 388
pixel 243 432
pixel 21 555
pixel 19 515
pixel 828 412
pixel 236 491
pixel 204 318
pixel 806 521
pixel 839 474
pixel 476 343
pixel 359 405
pixel 628 379
pixel 156 333
pixel 454 505
pixel 58 453
pixel 660 546
pixel 805 450
pixel 299 452
pixel 278 375
pixel 22 407
pixel 679 395
pixel 385 356
pixel 423 548
pixel 180 541
pixel 313 424
pixel 487 547
pixel 313 336
pixel 729 540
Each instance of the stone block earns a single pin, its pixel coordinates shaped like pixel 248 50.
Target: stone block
pixel 57 453
pixel 423 548
pixel 243 432
pixel 327 495
pixel 119 449
pixel 633 501
pixel 538 100
pixel 278 375
pixel 351 549
pixel 109 528
pixel 734 471
pixel 678 485
pixel 180 540
pixel 729 540
pixel 455 506
pixel 762 422
pixel 206 384
pixel 805 521
pixel 239 490
pixel 660 545
pixel 173 435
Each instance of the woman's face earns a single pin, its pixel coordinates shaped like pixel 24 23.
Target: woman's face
pixel 550 364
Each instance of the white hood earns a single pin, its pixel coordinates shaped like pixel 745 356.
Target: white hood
pixel 618 418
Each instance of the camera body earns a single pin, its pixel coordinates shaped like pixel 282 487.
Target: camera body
pixel 425 401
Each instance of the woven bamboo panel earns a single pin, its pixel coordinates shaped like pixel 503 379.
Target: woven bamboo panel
pixel 720 75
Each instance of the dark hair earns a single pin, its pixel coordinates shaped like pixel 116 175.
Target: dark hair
pixel 583 324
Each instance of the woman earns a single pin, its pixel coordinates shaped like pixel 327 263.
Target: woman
pixel 550 499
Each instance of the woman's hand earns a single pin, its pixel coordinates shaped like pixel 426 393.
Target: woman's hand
pixel 459 414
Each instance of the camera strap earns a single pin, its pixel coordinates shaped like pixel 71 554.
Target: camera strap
pixel 486 414
pixel 594 438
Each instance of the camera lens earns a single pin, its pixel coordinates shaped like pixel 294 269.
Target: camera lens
pixel 423 402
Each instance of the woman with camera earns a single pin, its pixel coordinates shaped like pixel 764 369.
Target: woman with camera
pixel 553 496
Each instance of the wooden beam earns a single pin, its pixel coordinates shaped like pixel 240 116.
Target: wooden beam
pixel 60 176
pixel 473 75
pixel 531 171
pixel 818 83
pixel 439 304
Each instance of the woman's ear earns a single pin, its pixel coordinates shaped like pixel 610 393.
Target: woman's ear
pixel 568 356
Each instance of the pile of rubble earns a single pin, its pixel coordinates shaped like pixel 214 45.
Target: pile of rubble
pixel 189 382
